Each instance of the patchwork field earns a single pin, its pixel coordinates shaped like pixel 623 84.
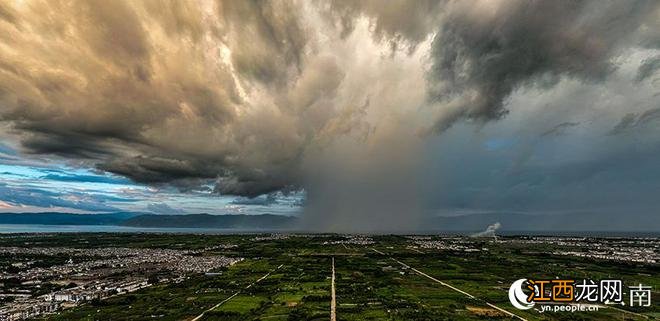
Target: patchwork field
pixel 289 277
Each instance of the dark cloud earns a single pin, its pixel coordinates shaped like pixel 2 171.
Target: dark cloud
pixel 168 91
pixel 625 123
pixel 85 178
pixel 617 177
pixel 559 129
pixel 251 185
pixel 253 97
pixel 648 68
pixel 161 170
pixel 649 116
pixel 485 51
pixel 240 92
pixel 631 120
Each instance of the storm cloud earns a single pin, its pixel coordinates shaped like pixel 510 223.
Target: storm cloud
pixel 339 98
pixel 157 91
pixel 485 50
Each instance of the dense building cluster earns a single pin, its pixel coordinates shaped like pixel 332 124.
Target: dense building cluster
pixel 460 244
pixel 270 237
pixel 353 240
pixel 93 274
pixel 637 250
pixel 640 250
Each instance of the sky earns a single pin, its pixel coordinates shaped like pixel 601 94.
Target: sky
pixel 45 185
pixel 345 113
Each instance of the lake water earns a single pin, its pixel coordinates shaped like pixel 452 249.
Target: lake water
pixel 38 228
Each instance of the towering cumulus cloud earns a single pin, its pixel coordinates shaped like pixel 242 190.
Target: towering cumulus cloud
pixel 252 97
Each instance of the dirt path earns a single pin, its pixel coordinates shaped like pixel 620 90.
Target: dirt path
pixel 239 291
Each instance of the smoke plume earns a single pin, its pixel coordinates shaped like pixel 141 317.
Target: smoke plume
pixel 489 231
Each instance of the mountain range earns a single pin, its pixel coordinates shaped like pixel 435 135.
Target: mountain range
pixel 463 223
pixel 264 221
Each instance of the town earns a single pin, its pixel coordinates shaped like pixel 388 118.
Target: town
pixel 31 289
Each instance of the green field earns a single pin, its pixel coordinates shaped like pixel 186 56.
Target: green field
pixel 289 278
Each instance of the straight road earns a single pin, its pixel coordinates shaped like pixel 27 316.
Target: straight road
pixel 451 286
pixel 333 301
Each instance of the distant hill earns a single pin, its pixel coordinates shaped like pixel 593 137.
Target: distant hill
pixel 55 218
pixel 264 221
pixel 464 223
